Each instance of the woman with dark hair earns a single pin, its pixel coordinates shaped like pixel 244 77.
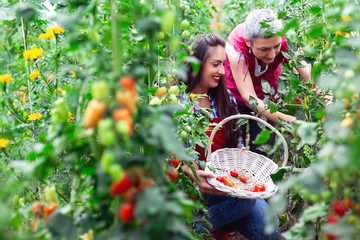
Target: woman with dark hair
pixel 226 213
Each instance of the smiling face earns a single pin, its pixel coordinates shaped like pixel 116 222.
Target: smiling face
pixel 266 49
pixel 213 70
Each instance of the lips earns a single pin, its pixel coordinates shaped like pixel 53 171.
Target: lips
pixel 216 79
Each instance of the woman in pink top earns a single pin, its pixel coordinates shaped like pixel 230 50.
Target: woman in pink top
pixel 253 55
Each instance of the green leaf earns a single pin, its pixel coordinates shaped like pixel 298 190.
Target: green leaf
pixel 265 86
pixel 61 226
pixel 273 107
pixel 279 175
pixel 307 132
pixel 313 212
pixel 263 137
pixel 253 103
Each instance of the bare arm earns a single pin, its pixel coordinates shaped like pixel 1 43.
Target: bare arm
pixel 246 89
pixel 204 186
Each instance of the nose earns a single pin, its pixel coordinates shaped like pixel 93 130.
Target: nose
pixel 272 53
pixel 221 70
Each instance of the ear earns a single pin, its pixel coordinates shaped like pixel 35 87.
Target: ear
pixel 247 42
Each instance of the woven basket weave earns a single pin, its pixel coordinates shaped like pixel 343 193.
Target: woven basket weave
pixel 255 167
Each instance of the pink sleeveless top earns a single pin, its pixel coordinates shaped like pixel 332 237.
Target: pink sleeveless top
pixel 236 38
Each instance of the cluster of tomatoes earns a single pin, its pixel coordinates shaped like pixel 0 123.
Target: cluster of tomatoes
pixel 122 115
pixel 339 209
pixel 40 210
pixel 227 182
pixel 131 183
pixel 172 171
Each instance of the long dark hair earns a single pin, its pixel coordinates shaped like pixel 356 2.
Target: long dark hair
pixel 220 95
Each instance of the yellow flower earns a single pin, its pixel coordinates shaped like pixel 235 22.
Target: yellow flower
pixel 219 25
pixel 337 33
pixel 81 68
pixel 34 116
pixel 59 90
pixel 9 29
pixel 346 18
pixel 89 235
pixel 6 77
pixel 4 142
pixel 54 30
pixel 326 44
pixel 46 36
pixel 57 30
pixel 95 50
pixel 33 53
pixel 73 73
pixel 70 117
pixel 192 95
pixel 34 75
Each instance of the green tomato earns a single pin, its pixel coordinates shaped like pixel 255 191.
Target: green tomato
pixel 107 138
pixel 188 129
pixel 15 200
pixel 50 194
pixel 183 135
pixel 167 21
pixel 100 90
pixel 155 101
pixel 160 35
pixel 116 172
pixel 22 202
pixel 105 124
pixel 174 90
pixel 107 158
pixel 184 24
pixel 122 127
pixel 173 99
pixel 185 34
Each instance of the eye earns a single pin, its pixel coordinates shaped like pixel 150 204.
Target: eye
pixel 215 64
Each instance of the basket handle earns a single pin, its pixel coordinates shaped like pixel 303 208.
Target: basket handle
pixel 225 120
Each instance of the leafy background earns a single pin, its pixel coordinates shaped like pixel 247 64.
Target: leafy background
pixel 105 40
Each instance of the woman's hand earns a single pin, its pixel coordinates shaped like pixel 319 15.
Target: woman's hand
pixel 204 186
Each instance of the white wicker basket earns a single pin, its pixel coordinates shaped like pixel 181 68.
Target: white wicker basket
pixel 255 167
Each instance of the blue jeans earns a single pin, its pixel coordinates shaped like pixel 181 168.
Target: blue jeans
pixel 246 216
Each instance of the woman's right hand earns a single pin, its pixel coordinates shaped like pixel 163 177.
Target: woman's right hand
pixel 204 186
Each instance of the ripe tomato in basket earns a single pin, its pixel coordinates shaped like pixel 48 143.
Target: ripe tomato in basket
pixel 242 178
pixel 233 173
pixel 228 182
pixel 219 178
pixel 260 188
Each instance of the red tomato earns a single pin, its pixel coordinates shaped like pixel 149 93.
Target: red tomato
pixel 228 182
pixel 260 188
pixel 219 178
pixel 298 100
pixel 330 236
pixel 38 209
pixel 313 86
pixel 242 178
pixel 50 209
pixel 331 218
pixel 339 208
pixel 126 213
pixel 121 186
pixel 175 162
pixel 173 174
pixel 233 173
